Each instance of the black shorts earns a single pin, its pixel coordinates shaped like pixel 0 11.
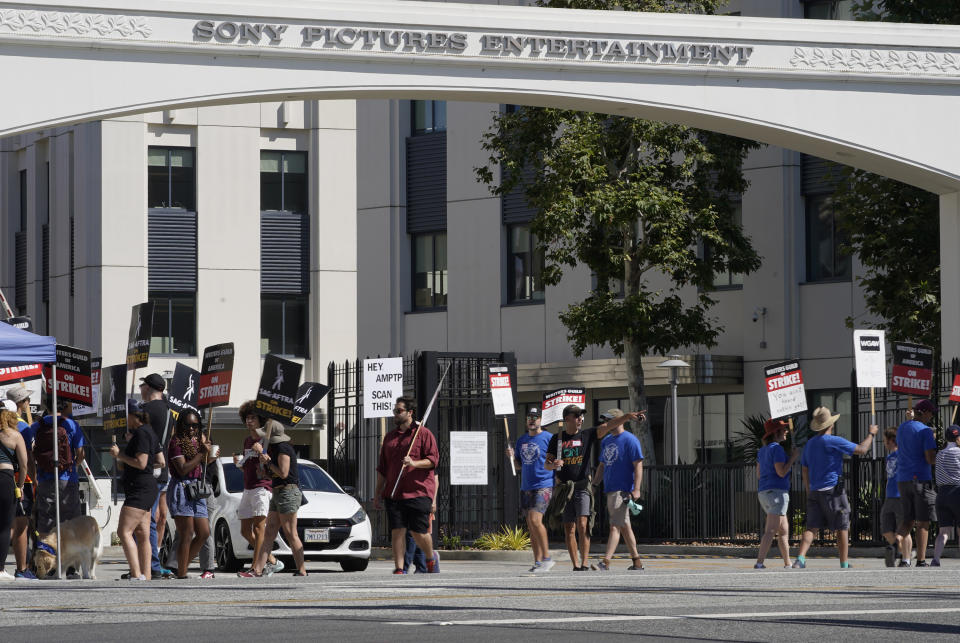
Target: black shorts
pixel 412 514
pixel 891 515
pixel 25 506
pixel 919 500
pixel 828 510
pixel 141 497
pixel 948 506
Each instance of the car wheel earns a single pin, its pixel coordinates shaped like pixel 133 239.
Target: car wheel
pixel 353 564
pixel 226 561
pixel 166 547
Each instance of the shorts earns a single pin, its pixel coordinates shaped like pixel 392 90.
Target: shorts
pixel 618 508
pixel 828 510
pixel 412 514
pixel 140 497
pixel 535 499
pixel 179 506
pixel 948 506
pixel 46 506
pixel 253 503
pixel 891 515
pixel 25 506
pixel 285 500
pixel 578 505
pixel 774 502
pixel 919 500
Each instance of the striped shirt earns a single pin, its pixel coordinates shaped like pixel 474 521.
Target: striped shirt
pixel 948 465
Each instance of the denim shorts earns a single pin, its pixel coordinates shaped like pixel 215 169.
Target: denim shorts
pixel 774 501
pixel 179 505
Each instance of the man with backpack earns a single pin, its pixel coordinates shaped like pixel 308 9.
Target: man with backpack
pixel 70 447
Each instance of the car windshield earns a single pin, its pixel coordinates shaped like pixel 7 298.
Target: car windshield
pixel 312 478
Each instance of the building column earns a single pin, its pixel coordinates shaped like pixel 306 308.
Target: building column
pixel 949 276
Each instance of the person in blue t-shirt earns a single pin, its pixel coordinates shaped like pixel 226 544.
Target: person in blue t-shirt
pixel 917 448
pixel 536 486
pixel 68 480
pixel 827 504
pixel 773 489
pixel 891 513
pixel 621 469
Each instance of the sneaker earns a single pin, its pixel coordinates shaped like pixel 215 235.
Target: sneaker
pixel 138 578
pixel 604 566
pixel 581 569
pixel 903 563
pixel 396 572
pixel 934 563
pixel 26 575
pixel 890 556
pixel 248 575
pixel 536 567
pixel 922 563
pixel 635 568
pixel 278 566
pixel 270 568
pixel 5 575
pixel 433 565
pixel 125 576
pixel 846 565
pixel 300 574
pixel 207 574
pixel 800 563
pixel 547 564
pixel 163 573
pixel 759 566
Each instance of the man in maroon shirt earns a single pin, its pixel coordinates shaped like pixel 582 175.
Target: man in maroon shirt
pixel 409 507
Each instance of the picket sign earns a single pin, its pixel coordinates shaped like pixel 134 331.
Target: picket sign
pixel 955 397
pixel 501 391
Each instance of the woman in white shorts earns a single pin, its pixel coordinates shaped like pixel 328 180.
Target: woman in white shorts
pixel 255 502
pixel 773 489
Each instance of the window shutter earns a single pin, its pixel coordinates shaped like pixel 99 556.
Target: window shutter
pixel 819 176
pixel 45 263
pixel 284 253
pixel 172 250
pixel 20 298
pixel 513 205
pixel 427 183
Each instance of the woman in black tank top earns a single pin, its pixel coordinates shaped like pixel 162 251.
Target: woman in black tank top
pixel 13 456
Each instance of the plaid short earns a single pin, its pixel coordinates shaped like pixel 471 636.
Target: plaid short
pixel 536 499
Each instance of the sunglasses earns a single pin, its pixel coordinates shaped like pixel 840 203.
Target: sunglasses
pixel 399 411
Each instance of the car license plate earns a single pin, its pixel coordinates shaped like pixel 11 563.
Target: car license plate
pixel 317 535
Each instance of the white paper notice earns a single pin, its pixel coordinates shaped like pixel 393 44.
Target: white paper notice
pixel 382 385
pixel 468 457
pixel 869 349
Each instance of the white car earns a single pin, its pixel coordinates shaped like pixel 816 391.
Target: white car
pixel 332 525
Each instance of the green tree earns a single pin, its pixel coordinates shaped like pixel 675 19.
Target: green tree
pixel 893 227
pixel 634 200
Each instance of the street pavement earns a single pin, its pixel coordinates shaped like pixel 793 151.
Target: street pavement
pixel 694 598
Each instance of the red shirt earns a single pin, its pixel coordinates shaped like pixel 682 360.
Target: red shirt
pixel 415 483
pixel 251 469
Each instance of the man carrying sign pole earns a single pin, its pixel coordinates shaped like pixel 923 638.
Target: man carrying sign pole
pixel 536 486
pixel 917 452
pixel 409 445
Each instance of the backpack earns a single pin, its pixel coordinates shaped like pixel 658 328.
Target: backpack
pixel 43 447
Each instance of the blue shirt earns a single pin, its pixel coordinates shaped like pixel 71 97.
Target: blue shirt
pixel 76 441
pixel 823 458
pixel 766 457
pixel 27 432
pixel 531 450
pixel 914 438
pixel 892 490
pixel 618 453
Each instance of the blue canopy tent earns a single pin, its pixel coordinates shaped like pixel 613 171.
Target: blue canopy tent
pixel 19 347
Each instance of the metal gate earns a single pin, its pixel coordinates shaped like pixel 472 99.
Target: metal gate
pixel 463 404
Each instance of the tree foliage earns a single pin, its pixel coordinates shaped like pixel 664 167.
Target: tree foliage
pixel 632 199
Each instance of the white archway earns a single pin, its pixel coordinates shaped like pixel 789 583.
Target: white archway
pixel 881 97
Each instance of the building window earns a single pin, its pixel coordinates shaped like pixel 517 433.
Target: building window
pixel 428 116
pixel 171 178
pixel 828 9
pixel 825 240
pixel 284 325
pixel 727 278
pixel 430 270
pixel 174 323
pixel 283 182
pixel 524 265
pixel 839 402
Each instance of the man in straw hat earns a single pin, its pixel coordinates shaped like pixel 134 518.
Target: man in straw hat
pixel 917 447
pixel 827 504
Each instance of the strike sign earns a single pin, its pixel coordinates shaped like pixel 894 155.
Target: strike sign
pixel 182 394
pixel 785 391
pixel 308 396
pixel 278 387
pixel 114 401
pixel 871 358
pixel 555 401
pixel 83 410
pixel 216 374
pixel 26 376
pixel 501 390
pixel 73 375
pixel 138 339
pixel 912 369
pixel 382 385
pixel 955 391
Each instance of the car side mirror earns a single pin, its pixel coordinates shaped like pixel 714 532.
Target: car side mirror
pixel 349 490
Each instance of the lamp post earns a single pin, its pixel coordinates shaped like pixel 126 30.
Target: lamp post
pixel 674 363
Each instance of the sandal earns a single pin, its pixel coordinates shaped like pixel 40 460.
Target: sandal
pixel 635 567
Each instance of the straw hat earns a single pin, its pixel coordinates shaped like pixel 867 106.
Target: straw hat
pixel 822 419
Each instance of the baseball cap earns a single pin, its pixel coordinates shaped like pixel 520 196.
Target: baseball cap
pixel 155 381
pixel 8 405
pixel 610 414
pixel 133 406
pixel 925 406
pixel 533 411
pixel 572 409
pixel 952 432
pixel 18 394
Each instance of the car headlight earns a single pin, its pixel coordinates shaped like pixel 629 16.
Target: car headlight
pixel 358 517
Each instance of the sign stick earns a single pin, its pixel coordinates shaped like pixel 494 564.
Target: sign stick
pixel 506 431
pixel 873 420
pixel 383 430
pixel 953 416
pixel 422 422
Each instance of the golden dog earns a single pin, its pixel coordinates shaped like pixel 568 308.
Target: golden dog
pixel 80 547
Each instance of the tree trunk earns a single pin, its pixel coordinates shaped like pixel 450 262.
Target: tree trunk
pixel 638 399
